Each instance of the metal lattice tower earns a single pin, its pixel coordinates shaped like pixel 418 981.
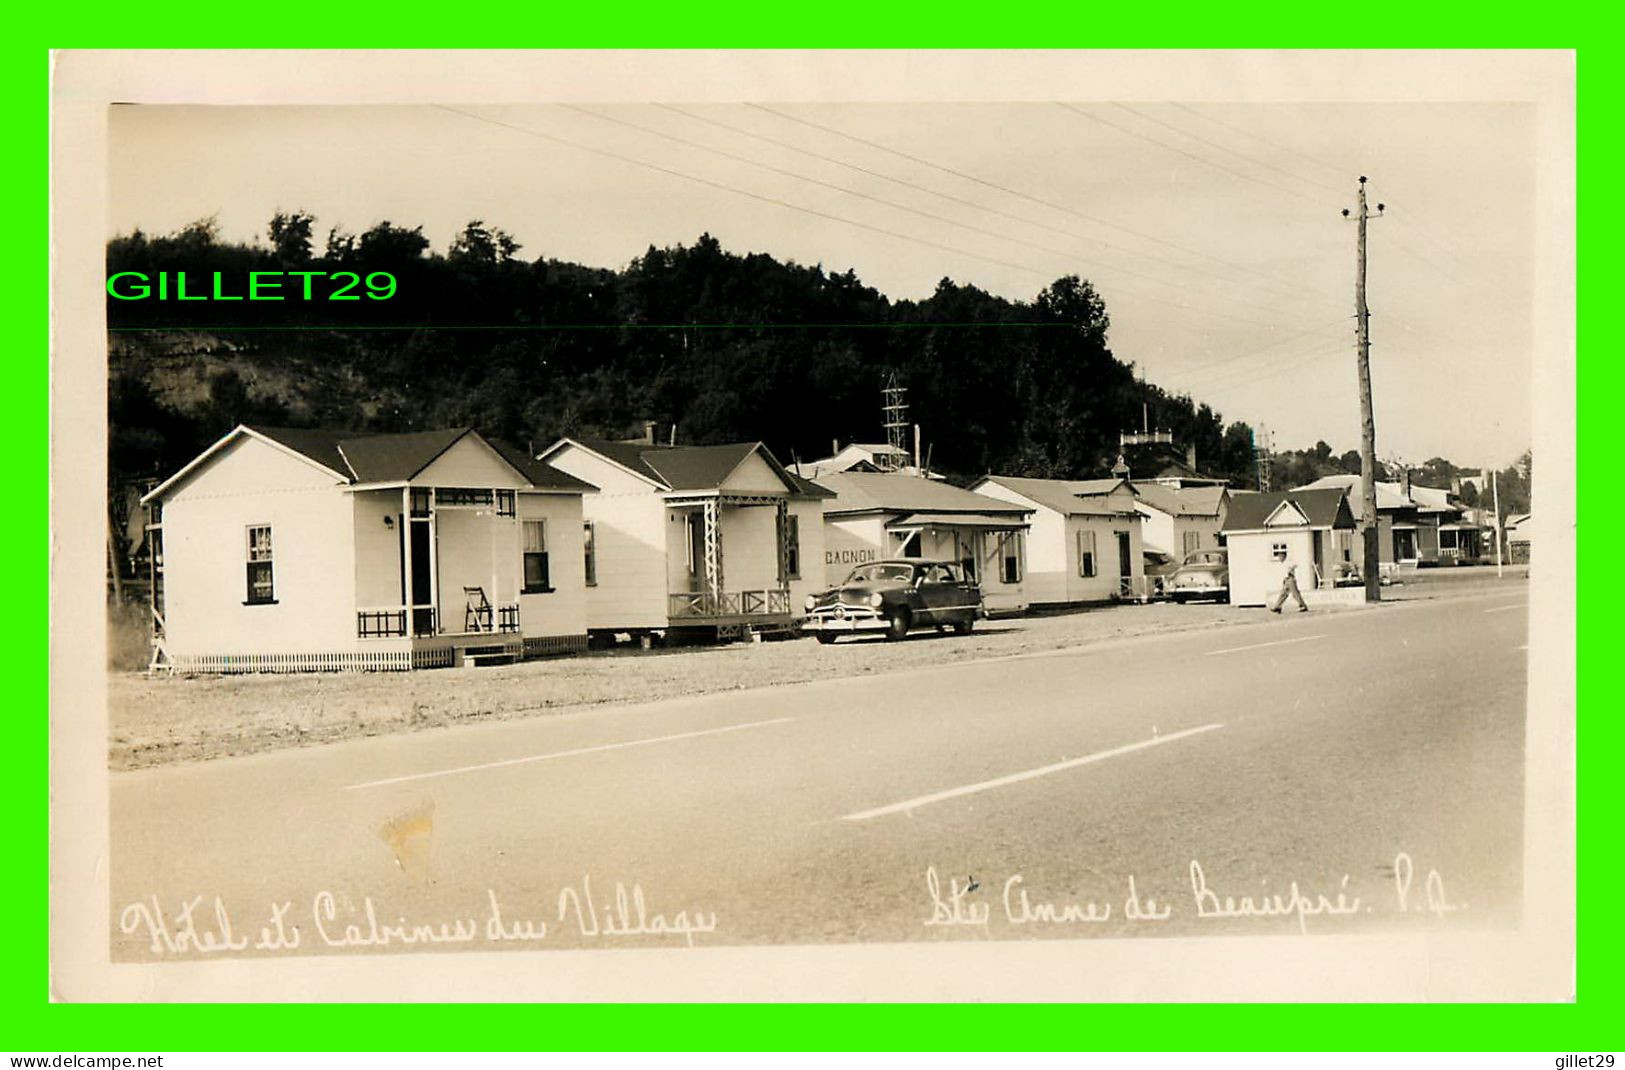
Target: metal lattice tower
pixel 1262 446
pixel 895 411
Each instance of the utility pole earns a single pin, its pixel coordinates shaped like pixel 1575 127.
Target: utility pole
pixel 1368 429
pixel 1495 487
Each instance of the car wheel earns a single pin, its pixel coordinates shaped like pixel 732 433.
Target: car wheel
pixel 963 627
pixel 825 638
pixel 1178 599
pixel 899 625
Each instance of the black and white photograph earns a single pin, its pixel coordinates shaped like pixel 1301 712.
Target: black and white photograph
pixel 914 526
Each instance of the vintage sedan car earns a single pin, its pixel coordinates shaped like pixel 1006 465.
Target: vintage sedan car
pixel 894 597
pixel 1203 574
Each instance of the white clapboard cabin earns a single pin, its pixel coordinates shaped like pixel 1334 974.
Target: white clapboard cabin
pixel 281 550
pixel 876 515
pixel 1266 532
pixel 719 540
pixel 1179 520
pixel 1085 544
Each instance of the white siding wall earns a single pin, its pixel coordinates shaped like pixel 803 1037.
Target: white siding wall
pixel 206 520
pixel 377 549
pixel 1255 576
pixel 563 611
pixel 812 578
pixel 1159 532
pixel 1104 584
pixel 850 542
pixel 629 521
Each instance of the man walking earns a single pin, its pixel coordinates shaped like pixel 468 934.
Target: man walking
pixel 1289 588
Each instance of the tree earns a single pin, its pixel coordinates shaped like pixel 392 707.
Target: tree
pixel 387 245
pixel 290 236
pixel 486 245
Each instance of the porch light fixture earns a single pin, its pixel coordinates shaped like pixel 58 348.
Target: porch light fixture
pixel 389 521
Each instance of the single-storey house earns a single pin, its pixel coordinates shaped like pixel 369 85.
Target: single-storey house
pixel 1180 519
pixel 1416 526
pixel 876 515
pixel 1265 532
pixel 715 538
pixel 1084 544
pixel 284 550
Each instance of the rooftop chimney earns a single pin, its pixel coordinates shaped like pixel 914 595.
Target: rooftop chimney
pixel 1405 481
pixel 1120 469
pixel 649 432
pixel 1190 457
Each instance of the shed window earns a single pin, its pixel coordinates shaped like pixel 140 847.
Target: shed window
pixel 589 552
pixel 1010 557
pixel 535 557
pixel 261 589
pixel 1086 554
pixel 505 503
pixel 1193 542
pixel 1278 551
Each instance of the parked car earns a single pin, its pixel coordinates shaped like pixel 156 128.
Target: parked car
pixel 1203 574
pixel 1158 568
pixel 895 597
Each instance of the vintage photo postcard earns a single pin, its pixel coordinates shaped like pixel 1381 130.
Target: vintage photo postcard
pixel 813 526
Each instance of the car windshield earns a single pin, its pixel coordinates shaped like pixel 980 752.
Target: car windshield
pixel 881 573
pixel 1206 557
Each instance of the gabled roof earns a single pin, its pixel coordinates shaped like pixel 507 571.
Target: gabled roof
pixel 1325 507
pixel 1069 497
pixel 1389 495
pixel 896 492
pixel 1182 501
pixel 540 473
pixel 689 467
pixel 357 457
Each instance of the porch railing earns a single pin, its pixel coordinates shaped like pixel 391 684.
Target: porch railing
pixel 390 621
pixel 703 605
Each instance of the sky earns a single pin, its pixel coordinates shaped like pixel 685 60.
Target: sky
pixel 1213 231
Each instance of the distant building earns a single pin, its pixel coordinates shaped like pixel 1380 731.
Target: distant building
pixel 283 550
pixel 1416 525
pixel 876 515
pixel 1266 532
pixel 1180 519
pixel 1085 542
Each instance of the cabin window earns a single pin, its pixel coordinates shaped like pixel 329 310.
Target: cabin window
pixel 1086 554
pixel 792 546
pixel 422 501
pixel 1193 542
pixel 535 557
pixel 463 496
pixel 1010 557
pixel 1278 551
pixel 261 589
pixel 505 502
pixel 910 546
pixel 589 552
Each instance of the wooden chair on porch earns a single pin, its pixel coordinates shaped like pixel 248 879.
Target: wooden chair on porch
pixel 476 610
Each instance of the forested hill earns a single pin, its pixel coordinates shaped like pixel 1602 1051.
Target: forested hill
pixel 725 346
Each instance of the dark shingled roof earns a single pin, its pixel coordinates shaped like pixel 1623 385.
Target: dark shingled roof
pixel 392 458
pixel 1325 508
pixel 693 467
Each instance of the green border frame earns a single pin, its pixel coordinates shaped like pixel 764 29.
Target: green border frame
pixel 37 1024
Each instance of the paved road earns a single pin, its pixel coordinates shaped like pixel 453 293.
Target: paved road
pixel 1296 765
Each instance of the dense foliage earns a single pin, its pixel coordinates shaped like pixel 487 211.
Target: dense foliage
pixel 726 347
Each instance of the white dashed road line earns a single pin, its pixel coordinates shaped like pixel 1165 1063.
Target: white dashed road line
pixel 1260 646
pixel 1030 774
pixel 567 753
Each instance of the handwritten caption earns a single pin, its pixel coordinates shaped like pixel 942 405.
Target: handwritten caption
pixel 970 903
pixel 204 924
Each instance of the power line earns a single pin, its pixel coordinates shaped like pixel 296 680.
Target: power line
pixel 1011 192
pixel 610 154
pixel 1066 255
pixel 1330 168
pixel 1223 148
pixel 1175 148
pixel 1269 285
pixel 1206 368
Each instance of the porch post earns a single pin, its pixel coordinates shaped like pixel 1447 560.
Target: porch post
pixel 406 561
pixel 783 521
pixel 712 510
pixel 434 565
